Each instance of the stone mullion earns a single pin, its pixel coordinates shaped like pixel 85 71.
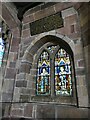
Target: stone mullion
pixel 52 77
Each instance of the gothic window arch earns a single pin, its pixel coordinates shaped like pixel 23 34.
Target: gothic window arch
pixel 54 72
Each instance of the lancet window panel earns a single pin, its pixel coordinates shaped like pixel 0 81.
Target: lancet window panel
pixel 4 36
pixel 43 74
pixel 2 48
pixel 63 82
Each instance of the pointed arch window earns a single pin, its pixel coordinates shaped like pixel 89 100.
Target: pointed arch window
pixel 63 83
pixel 43 74
pixel 4 36
pixel 2 48
pixel 54 72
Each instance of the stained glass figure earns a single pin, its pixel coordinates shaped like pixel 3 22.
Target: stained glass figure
pixel 43 74
pixel 63 84
pixel 52 48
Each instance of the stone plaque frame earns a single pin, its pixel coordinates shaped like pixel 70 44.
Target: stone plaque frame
pixel 46 24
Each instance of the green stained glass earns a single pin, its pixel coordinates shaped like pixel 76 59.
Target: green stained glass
pixel 63 84
pixel 43 75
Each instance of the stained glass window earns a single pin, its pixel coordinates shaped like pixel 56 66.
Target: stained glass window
pixel 62 69
pixel 1 44
pixel 52 48
pixel 1 50
pixel 43 74
pixel 4 35
pixel 63 84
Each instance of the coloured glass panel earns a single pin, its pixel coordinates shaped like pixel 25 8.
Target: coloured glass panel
pixel 52 48
pixel 1 48
pixel 4 32
pixel 43 75
pixel 63 84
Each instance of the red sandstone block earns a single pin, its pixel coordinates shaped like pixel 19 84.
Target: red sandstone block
pixel 71 19
pixel 40 14
pixel 12 64
pixel 26 33
pixel 61 6
pixel 28 110
pixel 10 73
pixel 14 48
pixel 17 112
pixel 25 68
pixel 28 19
pixel 81 63
pixel 16 32
pixel 15 41
pixel 44 13
pixel 21 83
pixel 15 56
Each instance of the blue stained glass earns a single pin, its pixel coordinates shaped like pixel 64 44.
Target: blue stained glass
pixel 43 75
pixel 1 50
pixel 62 62
pixel 63 84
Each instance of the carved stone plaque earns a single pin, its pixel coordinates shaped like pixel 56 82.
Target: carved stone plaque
pixel 46 24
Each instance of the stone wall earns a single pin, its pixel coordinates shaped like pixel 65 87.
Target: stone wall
pixel 8 68
pixel 21 71
pixel 85 34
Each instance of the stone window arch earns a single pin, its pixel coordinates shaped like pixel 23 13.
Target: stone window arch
pixel 54 72
pixel 52 49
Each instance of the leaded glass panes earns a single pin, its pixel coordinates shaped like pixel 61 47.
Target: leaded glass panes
pixel 1 44
pixel 4 34
pixel 43 74
pixel 63 85
pixel 52 48
pixel 1 50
